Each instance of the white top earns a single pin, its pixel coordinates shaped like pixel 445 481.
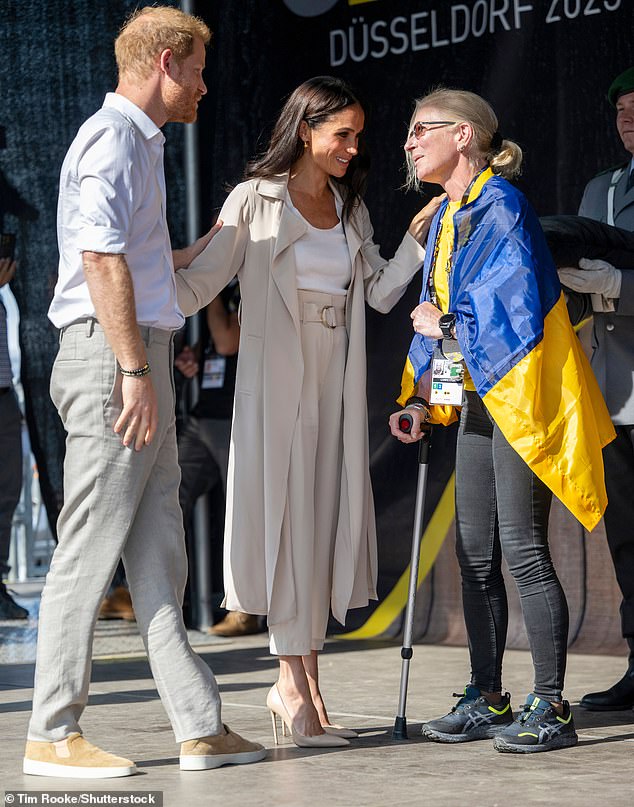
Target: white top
pixel 322 257
pixel 112 200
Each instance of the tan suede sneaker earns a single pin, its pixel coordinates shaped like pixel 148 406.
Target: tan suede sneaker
pixel 74 758
pixel 222 749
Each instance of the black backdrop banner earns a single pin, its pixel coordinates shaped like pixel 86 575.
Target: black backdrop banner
pixel 545 66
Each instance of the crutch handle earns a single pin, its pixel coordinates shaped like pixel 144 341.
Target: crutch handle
pixel 405 423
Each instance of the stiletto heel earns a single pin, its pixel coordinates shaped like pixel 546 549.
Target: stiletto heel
pixel 274 722
pixel 276 707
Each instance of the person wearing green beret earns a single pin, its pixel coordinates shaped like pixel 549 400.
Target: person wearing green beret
pixel 608 294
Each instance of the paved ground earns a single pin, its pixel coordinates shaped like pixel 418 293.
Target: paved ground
pixel 360 681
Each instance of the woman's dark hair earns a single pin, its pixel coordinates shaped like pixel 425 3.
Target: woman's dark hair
pixel 314 101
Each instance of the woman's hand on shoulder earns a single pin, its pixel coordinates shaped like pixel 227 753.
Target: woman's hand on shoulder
pixel 419 226
pixel 183 257
pixel 425 320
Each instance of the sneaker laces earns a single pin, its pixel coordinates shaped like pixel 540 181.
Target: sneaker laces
pixel 534 711
pixel 468 697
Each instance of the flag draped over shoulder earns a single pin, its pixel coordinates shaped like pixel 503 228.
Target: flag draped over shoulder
pixel 519 346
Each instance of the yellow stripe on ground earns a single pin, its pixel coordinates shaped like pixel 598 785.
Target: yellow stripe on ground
pixel 388 610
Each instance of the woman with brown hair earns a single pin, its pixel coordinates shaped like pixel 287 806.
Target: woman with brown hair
pixel 300 535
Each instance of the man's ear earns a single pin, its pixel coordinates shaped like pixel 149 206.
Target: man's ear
pixel 165 61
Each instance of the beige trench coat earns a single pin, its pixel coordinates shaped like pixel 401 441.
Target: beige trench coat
pixel 255 243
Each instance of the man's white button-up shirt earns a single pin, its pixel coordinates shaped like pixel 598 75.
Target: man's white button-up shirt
pixel 112 200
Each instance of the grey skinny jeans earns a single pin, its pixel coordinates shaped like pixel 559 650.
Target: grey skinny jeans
pixel 502 510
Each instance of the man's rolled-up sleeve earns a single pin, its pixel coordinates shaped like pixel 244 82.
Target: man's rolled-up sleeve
pixel 108 180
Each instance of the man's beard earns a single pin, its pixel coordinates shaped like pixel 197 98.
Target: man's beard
pixel 183 110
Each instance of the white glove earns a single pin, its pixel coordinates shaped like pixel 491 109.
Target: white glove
pixel 593 277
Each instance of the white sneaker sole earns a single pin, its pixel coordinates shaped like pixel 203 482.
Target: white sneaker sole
pixel 35 768
pixel 204 763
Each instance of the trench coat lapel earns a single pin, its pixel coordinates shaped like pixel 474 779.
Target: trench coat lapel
pixel 290 229
pixel 284 268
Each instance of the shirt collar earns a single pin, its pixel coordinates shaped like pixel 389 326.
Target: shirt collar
pixel 143 122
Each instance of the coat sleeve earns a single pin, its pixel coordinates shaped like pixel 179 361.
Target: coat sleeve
pixel 386 281
pixel 222 258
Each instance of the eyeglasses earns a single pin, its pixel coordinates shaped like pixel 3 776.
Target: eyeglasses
pixel 421 128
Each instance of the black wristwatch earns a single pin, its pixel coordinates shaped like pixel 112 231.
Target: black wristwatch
pixel 446 324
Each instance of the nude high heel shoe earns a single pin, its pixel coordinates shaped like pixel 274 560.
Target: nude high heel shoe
pixel 277 709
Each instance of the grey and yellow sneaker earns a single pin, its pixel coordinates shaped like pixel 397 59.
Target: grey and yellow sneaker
pixel 472 718
pixel 538 727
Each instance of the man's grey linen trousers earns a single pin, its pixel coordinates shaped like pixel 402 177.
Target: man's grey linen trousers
pixel 117 501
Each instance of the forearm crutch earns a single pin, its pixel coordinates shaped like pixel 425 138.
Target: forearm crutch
pixel 405 425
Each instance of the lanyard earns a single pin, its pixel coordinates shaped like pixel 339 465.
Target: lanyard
pixel 465 198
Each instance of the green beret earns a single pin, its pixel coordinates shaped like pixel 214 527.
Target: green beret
pixel 621 85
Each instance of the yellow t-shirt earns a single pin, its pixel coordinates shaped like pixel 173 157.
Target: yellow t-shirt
pixel 441 265
pixel 442 270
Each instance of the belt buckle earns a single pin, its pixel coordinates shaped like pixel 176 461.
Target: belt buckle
pixel 324 316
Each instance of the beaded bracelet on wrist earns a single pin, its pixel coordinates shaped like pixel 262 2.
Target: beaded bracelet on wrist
pixel 138 372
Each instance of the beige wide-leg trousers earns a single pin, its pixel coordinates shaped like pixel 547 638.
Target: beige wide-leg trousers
pixel 314 483
pixel 117 501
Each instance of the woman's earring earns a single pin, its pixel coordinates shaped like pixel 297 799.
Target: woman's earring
pixel 305 144
pixel 461 149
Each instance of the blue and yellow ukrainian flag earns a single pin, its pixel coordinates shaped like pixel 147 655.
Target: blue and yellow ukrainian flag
pixel 519 346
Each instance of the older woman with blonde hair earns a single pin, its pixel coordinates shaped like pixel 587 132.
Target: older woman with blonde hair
pixel 491 306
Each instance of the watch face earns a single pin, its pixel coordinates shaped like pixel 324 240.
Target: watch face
pixel 446 323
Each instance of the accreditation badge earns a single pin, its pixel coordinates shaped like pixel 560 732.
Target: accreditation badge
pixel 214 372
pixel 447 378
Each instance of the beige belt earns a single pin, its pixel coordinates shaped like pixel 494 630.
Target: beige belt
pixel 331 316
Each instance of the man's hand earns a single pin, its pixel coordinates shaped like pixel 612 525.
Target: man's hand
pixel 139 416
pixel 112 294
pixel 183 257
pixel 419 226
pixel 416 432
pixel 7 270
pixel 592 277
pixel 425 320
pixel 186 362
